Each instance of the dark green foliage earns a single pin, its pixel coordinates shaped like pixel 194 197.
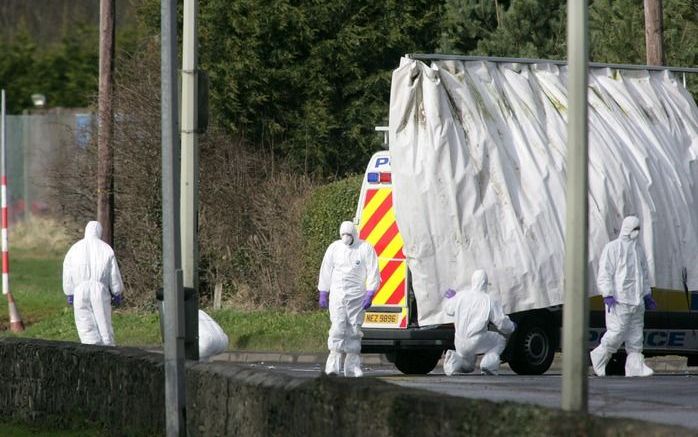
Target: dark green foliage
pixel 308 81
pixel 325 210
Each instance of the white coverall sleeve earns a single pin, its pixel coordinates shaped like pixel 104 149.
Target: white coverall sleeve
pixel 115 284
pixel 68 283
pixel 373 274
pixel 607 268
pixel 500 320
pixel 326 270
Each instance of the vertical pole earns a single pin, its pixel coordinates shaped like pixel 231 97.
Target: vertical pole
pixel 190 180
pixel 105 154
pixel 172 273
pixel 575 311
pixel 16 324
pixel 654 30
pixel 26 164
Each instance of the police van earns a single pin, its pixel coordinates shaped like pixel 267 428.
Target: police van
pixel 391 327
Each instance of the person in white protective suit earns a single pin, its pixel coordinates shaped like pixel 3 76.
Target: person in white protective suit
pixel 349 278
pixel 624 284
pixel 473 310
pixel 92 282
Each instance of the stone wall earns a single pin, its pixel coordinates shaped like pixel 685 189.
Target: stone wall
pixel 122 390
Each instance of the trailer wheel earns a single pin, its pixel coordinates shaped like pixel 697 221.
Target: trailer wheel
pixel 417 362
pixel 532 347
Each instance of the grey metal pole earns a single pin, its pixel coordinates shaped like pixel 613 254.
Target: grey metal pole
pixel 575 312
pixel 172 273
pixel 190 180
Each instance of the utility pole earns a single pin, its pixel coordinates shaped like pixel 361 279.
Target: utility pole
pixel 171 264
pixel 654 30
pixel 575 311
pixel 190 180
pixel 105 153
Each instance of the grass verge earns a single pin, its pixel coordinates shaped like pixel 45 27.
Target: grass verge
pixel 36 286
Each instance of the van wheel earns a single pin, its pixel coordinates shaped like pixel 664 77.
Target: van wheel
pixel 417 362
pixel 532 348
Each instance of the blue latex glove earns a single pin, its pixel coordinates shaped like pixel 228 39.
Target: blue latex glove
pixel 650 304
pixel 69 298
pixel 324 300
pixel 117 299
pixel 368 298
pixel 610 302
pixel 450 293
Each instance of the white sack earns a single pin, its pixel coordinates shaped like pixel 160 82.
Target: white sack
pixel 212 339
pixel 478 162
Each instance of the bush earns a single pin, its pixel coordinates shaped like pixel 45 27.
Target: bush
pixel 325 210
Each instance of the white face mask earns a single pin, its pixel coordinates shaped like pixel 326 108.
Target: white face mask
pixel 347 239
pixel 634 234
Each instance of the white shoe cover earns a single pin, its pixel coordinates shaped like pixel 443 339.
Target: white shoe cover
pixel 635 366
pixel 599 359
pixel 352 366
pixel 334 363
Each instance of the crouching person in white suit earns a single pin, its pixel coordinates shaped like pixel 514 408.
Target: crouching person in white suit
pixel 473 310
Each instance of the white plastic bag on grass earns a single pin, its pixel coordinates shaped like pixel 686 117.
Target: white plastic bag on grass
pixel 212 339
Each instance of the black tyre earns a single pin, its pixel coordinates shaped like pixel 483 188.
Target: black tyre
pixel 616 365
pixel 532 347
pixel 417 362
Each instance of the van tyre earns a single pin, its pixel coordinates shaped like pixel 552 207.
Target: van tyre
pixel 532 347
pixel 417 362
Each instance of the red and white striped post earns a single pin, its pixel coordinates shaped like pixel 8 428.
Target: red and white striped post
pixel 16 324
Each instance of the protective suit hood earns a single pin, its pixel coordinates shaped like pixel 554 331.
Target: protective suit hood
pixel 348 228
pixel 93 230
pixel 629 223
pixel 479 281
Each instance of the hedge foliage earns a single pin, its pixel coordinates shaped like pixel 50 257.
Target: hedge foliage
pixel 325 210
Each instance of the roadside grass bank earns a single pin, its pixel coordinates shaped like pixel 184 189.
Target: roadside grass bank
pixel 24 430
pixel 35 282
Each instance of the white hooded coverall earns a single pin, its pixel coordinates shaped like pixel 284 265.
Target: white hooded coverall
pixel 472 311
pixel 347 272
pixel 91 275
pixel 623 275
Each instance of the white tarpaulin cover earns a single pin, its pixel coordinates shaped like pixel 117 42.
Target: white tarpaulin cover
pixel 478 162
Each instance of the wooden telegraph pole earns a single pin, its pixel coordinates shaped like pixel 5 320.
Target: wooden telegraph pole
pixel 654 30
pixel 105 152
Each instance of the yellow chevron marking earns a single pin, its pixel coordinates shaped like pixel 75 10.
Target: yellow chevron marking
pixel 391 284
pixel 393 247
pixel 381 228
pixel 373 205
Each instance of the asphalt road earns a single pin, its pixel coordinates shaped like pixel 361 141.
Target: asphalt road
pixel 670 398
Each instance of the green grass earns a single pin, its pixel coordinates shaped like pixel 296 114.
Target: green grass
pixel 36 286
pixel 22 430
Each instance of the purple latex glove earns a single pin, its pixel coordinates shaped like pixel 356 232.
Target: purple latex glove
pixel 117 299
pixel 610 302
pixel 368 298
pixel 324 300
pixel 69 298
pixel 650 304
pixel 450 293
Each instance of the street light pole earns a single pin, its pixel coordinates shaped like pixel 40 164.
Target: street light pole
pixel 575 311
pixel 171 263
pixel 190 180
